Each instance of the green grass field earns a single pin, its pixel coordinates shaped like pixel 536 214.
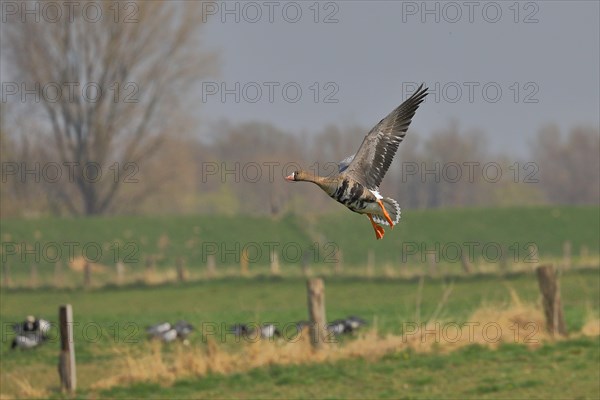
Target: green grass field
pixel 112 320
pixel 477 233
pixel 563 370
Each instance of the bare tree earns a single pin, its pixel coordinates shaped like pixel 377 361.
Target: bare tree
pixel 569 167
pixel 109 92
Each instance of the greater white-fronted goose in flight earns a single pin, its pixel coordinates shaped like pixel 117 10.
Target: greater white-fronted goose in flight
pixel 357 185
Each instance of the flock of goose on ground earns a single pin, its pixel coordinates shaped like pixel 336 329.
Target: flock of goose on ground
pixel 167 332
pixel 34 331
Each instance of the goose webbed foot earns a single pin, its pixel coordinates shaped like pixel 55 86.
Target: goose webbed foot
pixel 385 213
pixel 379 231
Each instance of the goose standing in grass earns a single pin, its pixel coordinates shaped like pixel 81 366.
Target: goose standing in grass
pixel 269 331
pixel 162 331
pixel 336 327
pixel 30 333
pixel 265 331
pixel 26 341
pixel 354 323
pixel 240 330
pixel 348 325
pixel 357 185
pixel 183 329
pixel 158 329
pixel 167 333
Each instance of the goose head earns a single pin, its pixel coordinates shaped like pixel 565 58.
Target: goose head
pixel 300 175
pixel 293 176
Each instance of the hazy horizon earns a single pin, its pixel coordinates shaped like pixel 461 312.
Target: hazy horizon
pixel 372 57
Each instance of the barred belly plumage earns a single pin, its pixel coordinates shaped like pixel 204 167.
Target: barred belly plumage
pixel 352 194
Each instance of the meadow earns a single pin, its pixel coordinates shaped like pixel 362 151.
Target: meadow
pixel 489 238
pixel 111 323
pixel 393 357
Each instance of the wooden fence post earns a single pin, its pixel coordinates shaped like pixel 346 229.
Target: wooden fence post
pixel 58 274
pixel 370 263
pixel 466 264
pixel 549 287
pixel 533 256
pixel 211 267
pixel 66 363
pixel 120 267
pixel 6 275
pixel 567 254
pixel 584 254
pixel 149 268
pixel 305 263
pixel 503 262
pixel 180 265
pixel 339 262
pixel 432 261
pixel 33 279
pixel 87 275
pixel 150 264
pixel 316 312
pixel 244 261
pixel 274 260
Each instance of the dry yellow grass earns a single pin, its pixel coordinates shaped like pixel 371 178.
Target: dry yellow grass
pixel 77 264
pixel 488 326
pixel 27 391
pixel 592 324
pixel 591 328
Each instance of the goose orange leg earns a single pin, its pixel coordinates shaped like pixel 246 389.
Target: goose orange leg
pixel 385 214
pixel 379 231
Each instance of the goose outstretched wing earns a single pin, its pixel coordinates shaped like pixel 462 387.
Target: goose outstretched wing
pixel 374 156
pixel 343 165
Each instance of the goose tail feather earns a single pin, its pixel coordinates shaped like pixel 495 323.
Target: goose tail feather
pixel 393 209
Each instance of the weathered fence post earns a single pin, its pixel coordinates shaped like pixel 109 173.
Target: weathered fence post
pixel 6 275
pixel 316 312
pixel 305 263
pixel 244 262
pixel 150 263
pixel 148 266
pixel 466 264
pixel 58 274
pixel 370 263
pixel 533 257
pixel 66 363
pixel 503 262
pixel 432 261
pixel 180 265
pixel 211 267
pixel 274 261
pixel 87 275
pixel 549 287
pixel 33 279
pixel 120 267
pixel 339 262
pixel 584 254
pixel 567 254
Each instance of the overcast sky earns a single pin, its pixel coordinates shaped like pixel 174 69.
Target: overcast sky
pixel 542 56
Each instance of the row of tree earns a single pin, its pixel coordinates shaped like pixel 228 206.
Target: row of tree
pixel 98 117
pixel 240 169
